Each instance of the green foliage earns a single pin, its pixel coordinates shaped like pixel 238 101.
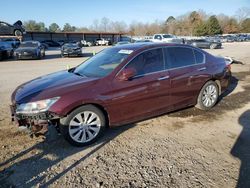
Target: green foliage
pixel 194 17
pixel 210 27
pixel 201 29
pixel 213 26
pixel 32 25
pixel 68 28
pixel 54 27
pixel 170 19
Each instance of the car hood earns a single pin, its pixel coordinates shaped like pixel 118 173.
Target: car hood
pixel 26 49
pixel 48 86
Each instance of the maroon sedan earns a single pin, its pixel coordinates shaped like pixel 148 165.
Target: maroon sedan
pixel 120 85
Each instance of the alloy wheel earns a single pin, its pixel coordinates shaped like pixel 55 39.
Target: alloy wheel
pixel 84 127
pixel 209 96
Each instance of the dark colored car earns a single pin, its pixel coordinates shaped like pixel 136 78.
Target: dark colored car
pixel 16 29
pixel 1 53
pixel 51 43
pixel 203 43
pixel 231 38
pixel 6 50
pixel 14 42
pixel 121 85
pixel 30 50
pixel 71 49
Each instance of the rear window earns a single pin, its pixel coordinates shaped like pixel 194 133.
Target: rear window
pixel 179 57
pixel 199 56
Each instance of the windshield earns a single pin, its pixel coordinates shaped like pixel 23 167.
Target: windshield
pixel 168 36
pixel 102 63
pixel 28 44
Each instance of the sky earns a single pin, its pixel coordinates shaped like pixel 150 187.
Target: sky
pixel 83 12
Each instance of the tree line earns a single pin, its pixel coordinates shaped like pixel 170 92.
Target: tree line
pixel 196 23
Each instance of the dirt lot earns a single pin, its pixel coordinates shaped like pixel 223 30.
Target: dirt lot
pixel 187 148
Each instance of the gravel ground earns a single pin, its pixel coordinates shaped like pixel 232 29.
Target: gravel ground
pixel 187 148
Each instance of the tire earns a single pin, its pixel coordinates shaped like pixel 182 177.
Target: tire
pixel 11 53
pixel 83 134
pixel 208 96
pixel 39 56
pixel 212 46
pixel 18 33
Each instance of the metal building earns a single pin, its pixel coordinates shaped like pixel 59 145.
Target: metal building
pixel 71 36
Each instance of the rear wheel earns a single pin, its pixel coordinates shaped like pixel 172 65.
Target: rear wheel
pixel 18 33
pixel 83 126
pixel 208 96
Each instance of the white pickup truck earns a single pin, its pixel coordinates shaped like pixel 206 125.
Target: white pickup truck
pixel 168 38
pixel 102 42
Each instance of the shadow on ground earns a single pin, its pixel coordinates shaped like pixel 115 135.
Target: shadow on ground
pixel 29 171
pixel 241 150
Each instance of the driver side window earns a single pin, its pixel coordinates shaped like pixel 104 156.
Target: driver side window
pixel 147 62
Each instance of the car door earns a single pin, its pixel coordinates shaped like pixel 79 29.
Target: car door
pixel 4 28
pixel 145 93
pixel 182 69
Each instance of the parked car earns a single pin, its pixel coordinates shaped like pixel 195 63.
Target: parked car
pixel 102 42
pixel 61 42
pixel 121 85
pixel 71 49
pixel 51 43
pixel 168 38
pixel 86 43
pixel 16 29
pixel 6 49
pixel 203 43
pixel 231 38
pixel 240 38
pixel 223 38
pixel 44 45
pixel 14 42
pixel 30 50
pixel 1 53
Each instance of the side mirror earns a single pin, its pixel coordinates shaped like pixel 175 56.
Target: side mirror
pixel 127 74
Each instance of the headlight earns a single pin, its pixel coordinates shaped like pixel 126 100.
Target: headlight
pixel 36 107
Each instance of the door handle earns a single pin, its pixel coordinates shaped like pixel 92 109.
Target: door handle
pixel 163 78
pixel 202 69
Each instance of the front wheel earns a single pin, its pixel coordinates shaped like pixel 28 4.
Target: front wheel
pixel 208 96
pixel 213 46
pixel 83 126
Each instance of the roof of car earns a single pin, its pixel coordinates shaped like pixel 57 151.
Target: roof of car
pixel 144 45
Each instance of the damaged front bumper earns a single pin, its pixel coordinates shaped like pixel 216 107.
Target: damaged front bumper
pixel 36 123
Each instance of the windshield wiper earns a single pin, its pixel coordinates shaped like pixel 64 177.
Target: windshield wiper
pixel 78 74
